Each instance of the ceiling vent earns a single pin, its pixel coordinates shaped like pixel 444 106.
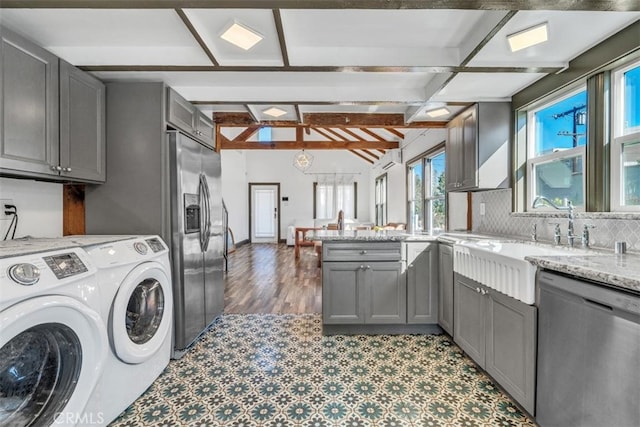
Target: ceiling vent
pixel 391 158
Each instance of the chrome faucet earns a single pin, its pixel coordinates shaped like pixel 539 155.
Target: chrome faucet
pixel 534 233
pixel 556 232
pixel 585 235
pixel 537 202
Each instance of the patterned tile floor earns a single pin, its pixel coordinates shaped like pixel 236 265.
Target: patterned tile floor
pixel 279 370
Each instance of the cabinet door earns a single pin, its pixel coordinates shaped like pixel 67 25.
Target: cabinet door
pixel 422 285
pixel 341 292
pixel 181 113
pixel 205 129
pixel 469 148
pixel 445 288
pixel 82 125
pixel 385 300
pixel 510 345
pixel 469 322
pixel 29 107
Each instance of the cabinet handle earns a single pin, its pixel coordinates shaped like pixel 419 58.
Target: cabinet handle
pixel 363 252
pixel 368 267
pixel 56 168
pixel 410 266
pixel 66 169
pixel 478 290
pixel 362 267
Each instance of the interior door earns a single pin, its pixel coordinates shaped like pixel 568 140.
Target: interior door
pixel 264 213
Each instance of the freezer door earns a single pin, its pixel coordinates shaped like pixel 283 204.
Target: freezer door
pixel 213 256
pixel 188 269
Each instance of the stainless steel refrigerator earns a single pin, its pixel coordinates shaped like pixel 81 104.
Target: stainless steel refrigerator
pixel 163 182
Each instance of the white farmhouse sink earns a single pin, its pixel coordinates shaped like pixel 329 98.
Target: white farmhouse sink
pixel 501 265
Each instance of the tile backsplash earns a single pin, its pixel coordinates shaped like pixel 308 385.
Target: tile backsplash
pixel 498 219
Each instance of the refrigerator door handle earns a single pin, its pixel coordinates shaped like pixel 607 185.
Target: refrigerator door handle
pixel 203 210
pixel 207 216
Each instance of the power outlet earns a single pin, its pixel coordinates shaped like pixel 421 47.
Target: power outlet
pixel 3 202
pixel 482 208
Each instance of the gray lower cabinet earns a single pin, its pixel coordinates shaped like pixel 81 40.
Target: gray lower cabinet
pixel 29 107
pixel 82 125
pixel 359 293
pixel 499 333
pixel 445 287
pixel 422 288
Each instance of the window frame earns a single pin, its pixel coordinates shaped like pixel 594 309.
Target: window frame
pixel 532 160
pixel 618 139
pixel 425 160
pixel 334 184
pixel 381 206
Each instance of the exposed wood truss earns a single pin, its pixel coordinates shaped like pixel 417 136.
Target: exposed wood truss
pixel 367 136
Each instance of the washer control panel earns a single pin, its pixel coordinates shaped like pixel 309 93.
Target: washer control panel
pixel 141 248
pixel 155 244
pixel 65 265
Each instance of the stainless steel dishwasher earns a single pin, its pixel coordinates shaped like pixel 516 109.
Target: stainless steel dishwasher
pixel 588 354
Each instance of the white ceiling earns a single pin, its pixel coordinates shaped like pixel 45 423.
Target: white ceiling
pixel 326 39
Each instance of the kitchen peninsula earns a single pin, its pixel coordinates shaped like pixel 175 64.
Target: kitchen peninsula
pixel 378 281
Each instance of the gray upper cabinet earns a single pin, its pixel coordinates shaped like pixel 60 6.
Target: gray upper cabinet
pixel 422 285
pixel 445 288
pixel 477 147
pixel 499 333
pixel 185 116
pixel 52 121
pixel 29 103
pixel 82 125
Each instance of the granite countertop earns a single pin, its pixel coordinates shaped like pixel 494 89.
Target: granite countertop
pixel 390 236
pixel 619 270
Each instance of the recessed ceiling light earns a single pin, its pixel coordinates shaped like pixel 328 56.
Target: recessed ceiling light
pixel 529 37
pixel 241 36
pixel 274 112
pixel 438 112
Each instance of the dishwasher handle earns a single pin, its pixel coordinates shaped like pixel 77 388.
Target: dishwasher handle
pixel 602 296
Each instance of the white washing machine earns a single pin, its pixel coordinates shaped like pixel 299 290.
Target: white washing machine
pixel 53 342
pixel 134 278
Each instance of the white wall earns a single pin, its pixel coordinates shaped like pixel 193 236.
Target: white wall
pixel 235 191
pixel 39 207
pixel 276 166
pixel 416 142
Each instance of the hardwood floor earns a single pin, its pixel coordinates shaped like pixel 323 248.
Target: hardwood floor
pixel 265 278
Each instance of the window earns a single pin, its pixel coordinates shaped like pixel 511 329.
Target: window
pixel 381 200
pixel 625 147
pixel 265 134
pixel 556 150
pixel 426 192
pixel 331 197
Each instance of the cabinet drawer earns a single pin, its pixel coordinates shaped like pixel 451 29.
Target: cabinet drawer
pixel 378 251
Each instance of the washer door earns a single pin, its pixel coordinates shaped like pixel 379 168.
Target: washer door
pixel 52 350
pixel 142 313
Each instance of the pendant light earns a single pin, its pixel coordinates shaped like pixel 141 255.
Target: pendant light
pixel 302 160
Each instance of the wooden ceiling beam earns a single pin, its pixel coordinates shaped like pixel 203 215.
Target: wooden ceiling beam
pixel 362 156
pixel 247 133
pixel 395 132
pixel 375 156
pixel 245 119
pixel 225 144
pixel 373 134
pixel 341 137
pixel 354 119
pixel 324 133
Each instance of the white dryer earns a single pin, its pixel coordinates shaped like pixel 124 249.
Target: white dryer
pixel 53 342
pixel 134 278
